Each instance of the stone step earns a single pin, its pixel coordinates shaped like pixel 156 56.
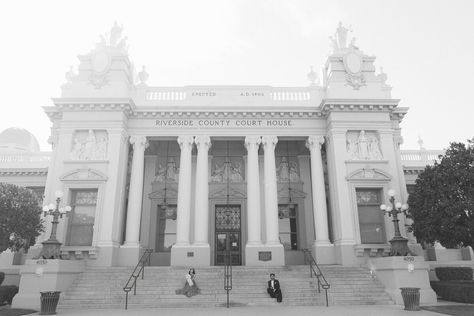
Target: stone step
pixel 101 287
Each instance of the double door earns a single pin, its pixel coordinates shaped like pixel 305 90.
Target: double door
pixel 228 238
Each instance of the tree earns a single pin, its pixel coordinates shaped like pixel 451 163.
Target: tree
pixel 442 204
pixel 20 217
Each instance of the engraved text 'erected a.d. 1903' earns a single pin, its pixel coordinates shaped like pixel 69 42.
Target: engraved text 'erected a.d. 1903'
pixel 224 123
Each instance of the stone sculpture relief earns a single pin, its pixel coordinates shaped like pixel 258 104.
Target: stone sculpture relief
pixel 362 146
pixel 89 145
pixel 287 171
pixel 227 171
pixel 169 172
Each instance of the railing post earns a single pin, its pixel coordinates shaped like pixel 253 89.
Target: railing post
pixel 126 299
pixel 135 286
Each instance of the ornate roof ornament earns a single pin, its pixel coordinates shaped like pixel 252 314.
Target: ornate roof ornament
pixel 143 77
pixel 313 77
pixel 339 40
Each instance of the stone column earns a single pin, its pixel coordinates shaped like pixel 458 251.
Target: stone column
pixel 318 189
pixel 254 230
pixel 271 194
pixel 271 202
pixel 321 242
pixel 135 192
pixel 201 218
pixel 253 191
pixel 184 191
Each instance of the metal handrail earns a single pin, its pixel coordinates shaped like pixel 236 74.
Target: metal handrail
pixel 135 274
pixel 314 269
pixel 228 276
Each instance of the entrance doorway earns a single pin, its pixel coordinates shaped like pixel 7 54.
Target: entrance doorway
pixel 228 238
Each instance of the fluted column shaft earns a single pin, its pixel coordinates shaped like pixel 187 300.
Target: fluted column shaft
pixel 134 209
pixel 201 219
pixel 184 191
pixel 253 191
pixel 271 194
pixel 318 190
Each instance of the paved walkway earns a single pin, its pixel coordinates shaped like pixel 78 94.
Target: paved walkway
pixel 389 310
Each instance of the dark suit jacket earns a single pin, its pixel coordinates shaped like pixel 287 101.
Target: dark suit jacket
pixel 276 285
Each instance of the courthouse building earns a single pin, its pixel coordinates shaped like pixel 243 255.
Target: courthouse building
pixel 195 172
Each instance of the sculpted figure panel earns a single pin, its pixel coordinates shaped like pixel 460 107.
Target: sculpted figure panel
pixel 168 172
pixel 287 170
pixel 362 145
pixel 227 169
pixel 89 145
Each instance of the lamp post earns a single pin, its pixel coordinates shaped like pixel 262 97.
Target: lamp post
pixel 51 247
pixel 399 243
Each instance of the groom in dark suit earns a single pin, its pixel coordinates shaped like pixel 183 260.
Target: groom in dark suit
pixel 274 288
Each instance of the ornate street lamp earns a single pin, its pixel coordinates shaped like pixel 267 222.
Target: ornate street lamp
pixel 51 247
pixel 399 243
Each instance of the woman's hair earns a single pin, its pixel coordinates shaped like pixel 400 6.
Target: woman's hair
pixel 192 271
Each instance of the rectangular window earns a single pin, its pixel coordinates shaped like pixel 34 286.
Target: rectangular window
pixel 371 219
pixel 81 221
pixel 166 228
pixel 287 226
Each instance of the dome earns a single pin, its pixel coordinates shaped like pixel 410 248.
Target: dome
pixel 18 139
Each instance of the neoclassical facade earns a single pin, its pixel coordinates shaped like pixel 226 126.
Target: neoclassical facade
pixel 198 172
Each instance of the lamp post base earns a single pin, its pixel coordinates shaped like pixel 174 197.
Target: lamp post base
pixel 399 247
pixel 51 250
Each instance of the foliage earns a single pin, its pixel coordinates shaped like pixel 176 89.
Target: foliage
pixel 7 292
pixel 454 273
pixel 20 217
pixel 442 204
pixel 455 291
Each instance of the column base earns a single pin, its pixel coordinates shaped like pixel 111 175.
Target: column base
pixel 128 255
pixel 107 255
pixel 323 252
pixel 191 255
pixel 344 253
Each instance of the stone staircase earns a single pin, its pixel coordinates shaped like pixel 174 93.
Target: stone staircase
pixel 102 287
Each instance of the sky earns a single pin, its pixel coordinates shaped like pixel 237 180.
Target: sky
pixel 426 47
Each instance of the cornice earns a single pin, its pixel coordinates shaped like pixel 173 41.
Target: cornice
pixel 289 111
pixel 24 172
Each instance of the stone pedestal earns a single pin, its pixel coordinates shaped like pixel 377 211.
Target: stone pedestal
pixel 264 255
pixel 410 271
pixel 44 275
pixel 190 256
pixel 252 255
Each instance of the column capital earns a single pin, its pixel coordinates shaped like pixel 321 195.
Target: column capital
pixel 398 140
pixel 314 142
pixel 203 142
pixel 138 141
pixel 252 142
pixel 269 142
pixel 185 141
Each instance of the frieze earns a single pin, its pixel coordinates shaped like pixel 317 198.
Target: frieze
pixel 232 123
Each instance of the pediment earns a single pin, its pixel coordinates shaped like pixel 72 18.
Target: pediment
pixel 234 193
pixel 283 192
pixel 83 175
pixel 369 174
pixel 171 192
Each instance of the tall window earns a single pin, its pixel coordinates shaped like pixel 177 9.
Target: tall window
pixel 287 226
pixel 81 221
pixel 166 228
pixel 371 221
